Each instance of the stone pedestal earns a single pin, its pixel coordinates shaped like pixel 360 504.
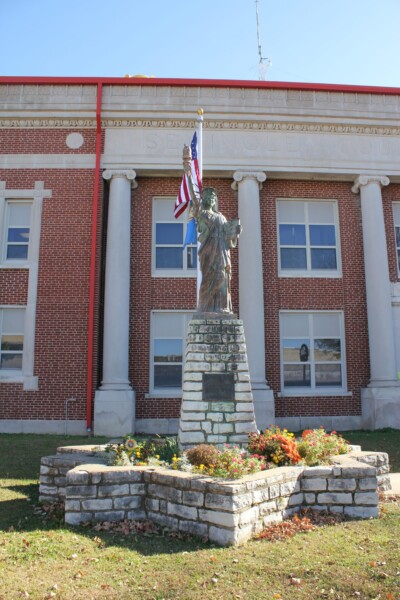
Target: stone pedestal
pixel 217 401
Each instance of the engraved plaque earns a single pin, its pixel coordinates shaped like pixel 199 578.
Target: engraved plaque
pixel 218 387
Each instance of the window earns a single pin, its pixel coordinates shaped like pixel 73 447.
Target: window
pixel 12 338
pixel 312 351
pixel 308 238
pixel 170 259
pixel 396 218
pixel 168 339
pixel 17 230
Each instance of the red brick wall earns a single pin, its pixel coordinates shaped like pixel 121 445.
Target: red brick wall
pixel 63 292
pixel 44 141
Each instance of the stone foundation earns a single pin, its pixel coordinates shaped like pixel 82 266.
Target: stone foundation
pixel 225 512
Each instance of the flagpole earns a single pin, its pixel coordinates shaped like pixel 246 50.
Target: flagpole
pixel 200 113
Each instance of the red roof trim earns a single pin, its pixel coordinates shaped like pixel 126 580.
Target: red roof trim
pixel 231 83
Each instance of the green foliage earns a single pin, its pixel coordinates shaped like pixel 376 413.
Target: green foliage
pixel 142 452
pixel 316 446
pixel 277 446
pixel 230 462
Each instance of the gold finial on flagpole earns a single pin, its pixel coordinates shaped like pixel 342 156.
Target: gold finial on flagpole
pixel 200 112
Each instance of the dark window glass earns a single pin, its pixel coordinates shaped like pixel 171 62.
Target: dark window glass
pixel 292 235
pixel 323 258
pixel 19 234
pixel 328 375
pixel 168 351
pixel 322 235
pixel 11 361
pixel 169 258
pixel 191 257
pixel 167 376
pixel 169 233
pixel 12 342
pixel 17 252
pixel 398 237
pixel 293 258
pixel 297 375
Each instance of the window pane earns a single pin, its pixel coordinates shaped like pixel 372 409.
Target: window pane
pixel 13 320
pixel 327 350
pixel 167 376
pixel 168 351
pixel 292 235
pixel 293 258
pixel 328 375
pixel 17 252
pixel 295 325
pixel 191 257
pixel 326 325
pixel 398 237
pixel 11 361
pixel 20 214
pixel 322 235
pixel 322 258
pixel 296 375
pixel 20 234
pixel 291 211
pixel 169 258
pixel 321 212
pixel 169 233
pixel 12 342
pixel 296 350
pixel 168 325
pixel 398 257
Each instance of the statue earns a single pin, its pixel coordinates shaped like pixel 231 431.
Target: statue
pixel 217 236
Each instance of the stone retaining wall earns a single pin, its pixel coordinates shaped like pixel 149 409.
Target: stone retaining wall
pixel 226 512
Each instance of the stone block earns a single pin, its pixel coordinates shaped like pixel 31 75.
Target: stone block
pixel 242 376
pixel 192 406
pixel 272 518
pixel 77 477
pixel 242 407
pixel 194 528
pixel 198 347
pixel 180 510
pixel 193 416
pixel 76 518
pixel 81 491
pixel 273 491
pixel 361 512
pixel 317 484
pixel 222 537
pixel 222 428
pixel 113 490
pixel 309 498
pixel 335 498
pixel 193 396
pixel 317 472
pixel 97 504
pixel 190 437
pixel 236 417
pixel 193 376
pixel 110 515
pixel 197 367
pixel 345 485
pixel 128 502
pixel 243 396
pixel 296 499
pixel 206 426
pixel 48 470
pixel 189 425
pixel 265 508
pixel 289 487
pixel 336 509
pixel 45 480
pixel 137 489
pixel 215 417
pixel 367 498
pixel 238 438
pixel 218 367
pixel 192 498
pixel 192 386
pixel 195 356
pixel 120 476
pixel 249 516
pixel 231 503
pixel 245 427
pixel 163 520
pixel 152 504
pixel 259 496
pixel 72 505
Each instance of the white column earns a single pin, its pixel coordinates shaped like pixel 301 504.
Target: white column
pixel 115 401
pixel 251 289
pixel 381 400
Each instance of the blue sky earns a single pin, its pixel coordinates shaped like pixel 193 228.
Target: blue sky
pixel 320 41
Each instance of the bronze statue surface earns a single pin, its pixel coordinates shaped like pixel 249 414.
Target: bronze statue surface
pixel 216 236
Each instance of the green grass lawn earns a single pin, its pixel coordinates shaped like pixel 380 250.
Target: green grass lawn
pixel 41 558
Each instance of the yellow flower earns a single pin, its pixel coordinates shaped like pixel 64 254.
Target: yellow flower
pixel 201 467
pixel 158 456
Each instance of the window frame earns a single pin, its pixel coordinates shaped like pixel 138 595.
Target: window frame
pixel 13 375
pixel 396 225
pixel 314 390
pixel 309 271
pixel 5 227
pixel 154 392
pixel 183 272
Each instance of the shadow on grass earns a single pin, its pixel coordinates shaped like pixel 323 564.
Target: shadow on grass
pixel 17 515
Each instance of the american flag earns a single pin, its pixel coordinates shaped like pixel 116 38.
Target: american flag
pixel 183 198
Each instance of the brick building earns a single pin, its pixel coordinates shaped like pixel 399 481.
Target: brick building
pixel 96 292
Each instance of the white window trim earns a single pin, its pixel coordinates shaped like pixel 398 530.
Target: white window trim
pixel 168 273
pixel 27 378
pixel 314 391
pixel 166 392
pixel 395 224
pixel 311 273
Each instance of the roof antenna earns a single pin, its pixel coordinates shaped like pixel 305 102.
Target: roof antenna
pixel 264 62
